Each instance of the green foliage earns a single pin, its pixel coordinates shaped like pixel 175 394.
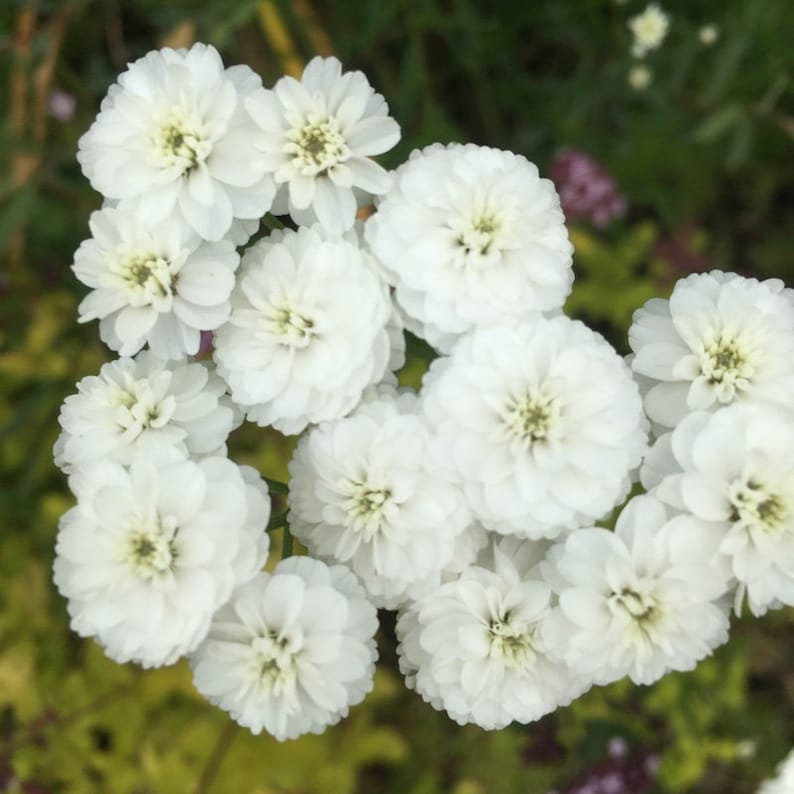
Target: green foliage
pixel 703 157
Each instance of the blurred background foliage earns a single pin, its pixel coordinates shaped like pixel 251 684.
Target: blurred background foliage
pixel 701 160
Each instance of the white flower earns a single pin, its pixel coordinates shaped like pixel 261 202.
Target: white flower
pixel 783 781
pixel 639 77
pixel 159 284
pixel 362 492
pixel 648 29
pixel 150 552
pixel 541 422
pixel 708 35
pixel 639 601
pixel 174 141
pixel 475 646
pixel 291 651
pixel 471 236
pixel 307 333
pixel 736 475
pixel 135 403
pixel 317 136
pixel 720 338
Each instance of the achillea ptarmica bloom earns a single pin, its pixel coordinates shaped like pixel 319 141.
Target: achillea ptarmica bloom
pixel 173 141
pixel 136 403
pixel 639 601
pixel 649 30
pixel 316 136
pixel 308 330
pixel 736 475
pixel 363 493
pixel 160 284
pixel 541 422
pixel 721 338
pixel 471 236
pixel 475 647
pixel 291 651
pixel 150 552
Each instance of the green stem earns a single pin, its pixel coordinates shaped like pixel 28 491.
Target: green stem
pixel 276 485
pixel 277 521
pixel 286 542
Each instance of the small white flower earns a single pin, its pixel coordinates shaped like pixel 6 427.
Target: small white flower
pixel 475 646
pixel 639 77
pixel 783 781
pixel 150 552
pixel 639 601
pixel 708 35
pixel 649 30
pixel 471 236
pixel 316 136
pixel 736 476
pixel 308 330
pixel 291 651
pixel 541 422
pixel 720 338
pixel 136 403
pixel 158 284
pixel 362 492
pixel 173 140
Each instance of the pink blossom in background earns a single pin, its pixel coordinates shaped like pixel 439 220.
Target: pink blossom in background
pixel 61 105
pixel 587 191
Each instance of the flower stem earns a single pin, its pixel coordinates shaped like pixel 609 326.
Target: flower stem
pixel 276 485
pixel 286 542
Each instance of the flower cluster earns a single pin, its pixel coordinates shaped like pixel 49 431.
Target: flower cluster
pixel 476 507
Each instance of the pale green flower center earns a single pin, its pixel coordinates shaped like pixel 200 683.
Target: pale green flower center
pixel 512 644
pixel 531 419
pixel 758 508
pixel 367 507
pixel 151 550
pixel 292 326
pixel 316 146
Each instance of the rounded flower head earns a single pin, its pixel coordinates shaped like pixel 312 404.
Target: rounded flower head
pixel 173 139
pixel 649 30
pixel 140 402
pixel 721 338
pixel 316 136
pixel 159 284
pixel 639 601
pixel 308 330
pixel 475 646
pixel 362 493
pixel 150 552
pixel 291 651
pixel 541 422
pixel 736 476
pixel 471 236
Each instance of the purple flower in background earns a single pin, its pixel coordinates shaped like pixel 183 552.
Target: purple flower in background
pixel 632 773
pixel 586 190
pixel 61 105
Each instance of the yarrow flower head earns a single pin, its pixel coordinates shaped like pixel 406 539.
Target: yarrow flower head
pixel 291 651
pixel 150 552
pixel 137 403
pixel 317 136
pixel 308 330
pixel 649 30
pixel 735 474
pixel 362 492
pixel 173 140
pixel 639 601
pixel 475 646
pixel 541 422
pixel 471 236
pixel 159 285
pixel 783 781
pixel 721 338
